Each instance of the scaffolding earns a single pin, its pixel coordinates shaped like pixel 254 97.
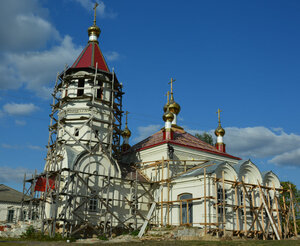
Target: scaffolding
pixel 133 203
pixel 85 121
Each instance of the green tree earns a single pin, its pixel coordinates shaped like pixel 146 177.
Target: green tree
pixel 206 137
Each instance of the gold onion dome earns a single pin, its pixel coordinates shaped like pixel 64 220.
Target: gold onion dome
pixel 168 116
pixel 126 132
pixel 219 131
pixel 174 108
pixel 94 30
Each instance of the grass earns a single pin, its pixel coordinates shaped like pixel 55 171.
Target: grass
pixel 162 243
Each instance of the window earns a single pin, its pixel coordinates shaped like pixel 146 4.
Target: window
pixel 80 90
pixel 242 202
pixel 134 204
pixel 186 207
pixel 66 91
pixel 220 199
pixel 250 204
pixel 76 133
pixel 24 215
pixel 99 90
pixel 10 215
pixel 93 204
pixel 96 133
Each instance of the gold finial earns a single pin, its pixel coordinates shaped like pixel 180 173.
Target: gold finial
pixel 165 108
pixel 95 6
pixel 126 113
pixel 93 30
pixel 219 118
pixel 171 82
pixel 168 97
pixel 219 131
pixel 126 132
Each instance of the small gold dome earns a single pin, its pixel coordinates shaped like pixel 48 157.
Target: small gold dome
pixel 126 132
pixel 168 116
pixel 219 131
pixel 94 30
pixel 174 108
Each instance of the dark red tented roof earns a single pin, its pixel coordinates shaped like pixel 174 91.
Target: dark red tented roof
pixel 91 55
pixel 180 138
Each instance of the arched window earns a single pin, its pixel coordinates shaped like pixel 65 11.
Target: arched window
pixel 186 209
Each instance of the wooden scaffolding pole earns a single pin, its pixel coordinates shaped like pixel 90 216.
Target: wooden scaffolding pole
pixel 277 211
pixel 223 203
pixel 236 206
pixel 245 211
pixel 217 205
pixel 269 213
pixel 162 194
pixel 168 184
pixel 293 209
pixel 205 228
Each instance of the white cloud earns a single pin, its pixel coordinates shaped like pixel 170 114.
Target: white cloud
pixel 9 146
pixel 19 147
pixel 25 31
pixel 8 174
pixel 112 56
pixel 291 158
pixel 35 147
pixel 260 142
pixel 146 131
pixel 23 26
pixel 274 144
pixel 37 69
pixel 20 122
pixel 17 109
pixel 101 9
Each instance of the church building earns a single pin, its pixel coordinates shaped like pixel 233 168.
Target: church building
pixel 94 182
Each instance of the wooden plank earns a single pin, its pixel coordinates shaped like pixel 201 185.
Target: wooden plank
pixel 180 212
pixel 244 205
pixel 293 210
pixel 148 217
pixel 237 205
pixel 253 204
pixel 277 211
pixel 205 228
pixel 168 184
pixel 252 208
pixel 217 205
pixel 223 203
pixel 162 195
pixel 275 229
pixel 262 216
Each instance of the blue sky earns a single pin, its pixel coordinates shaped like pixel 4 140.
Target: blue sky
pixel 240 56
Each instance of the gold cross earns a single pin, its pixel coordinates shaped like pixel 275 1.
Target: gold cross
pixel 171 82
pixel 218 112
pixel 168 97
pixel 126 113
pixel 96 5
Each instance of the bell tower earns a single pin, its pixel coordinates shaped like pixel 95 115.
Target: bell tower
pixel 87 109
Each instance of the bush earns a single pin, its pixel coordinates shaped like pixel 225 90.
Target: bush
pixel 134 233
pixel 32 234
pixel 103 237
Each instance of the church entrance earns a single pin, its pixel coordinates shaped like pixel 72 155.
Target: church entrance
pixel 186 209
